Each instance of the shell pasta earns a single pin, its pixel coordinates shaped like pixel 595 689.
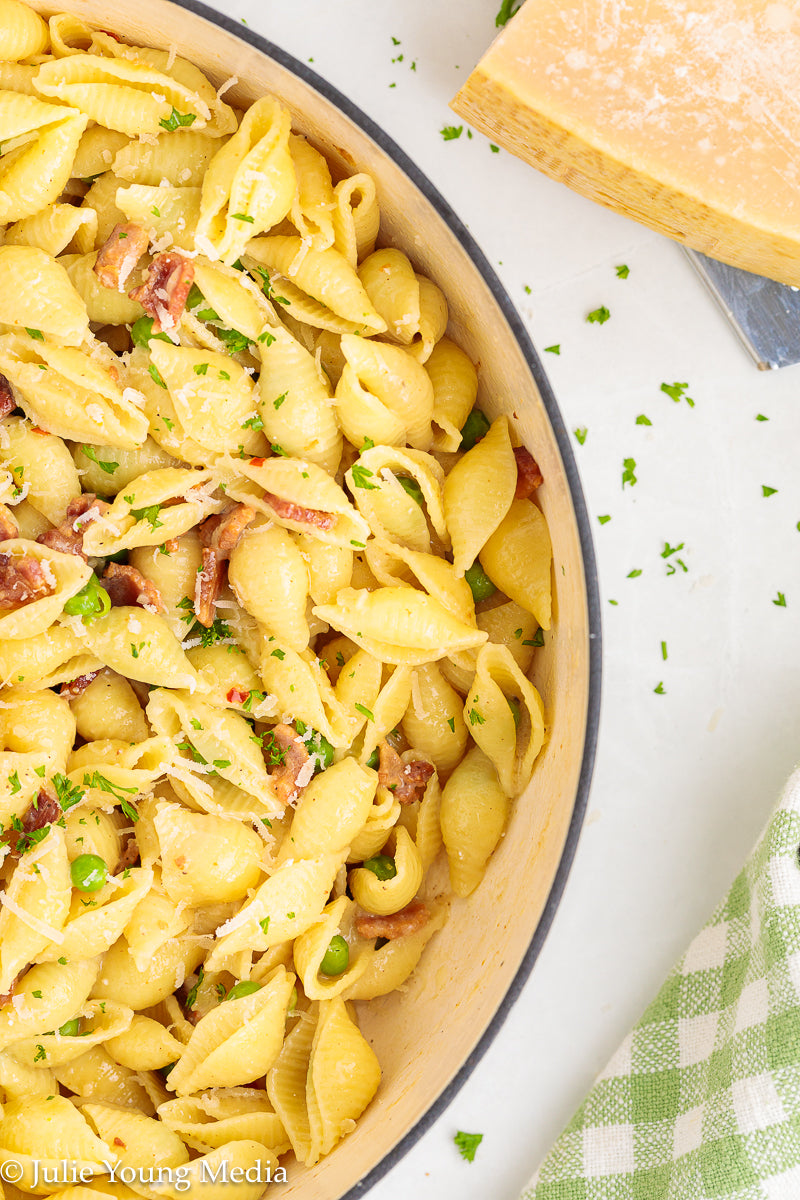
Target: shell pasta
pixel 270 590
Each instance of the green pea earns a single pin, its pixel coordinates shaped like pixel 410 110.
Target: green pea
pixel 382 867
pixel 317 746
pixel 90 602
pixel 479 582
pixel 474 428
pixel 374 759
pixel 513 704
pixel 412 487
pixel 89 872
pixel 70 1028
pixel 245 987
pixel 336 959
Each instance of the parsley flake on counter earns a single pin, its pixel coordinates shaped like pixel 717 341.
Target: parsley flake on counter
pixel 468 1143
pixel 677 392
pixel 668 552
pixel 660 690
pixel 781 601
pixel 767 491
pixel 606 517
pixel 643 420
pixel 506 11
pixel 623 271
pixel 555 349
pixel 634 574
pixel 494 149
pixel 581 434
pixel 629 471
pixel 598 316
pixel 451 132
pixel 664 651
pixel 761 417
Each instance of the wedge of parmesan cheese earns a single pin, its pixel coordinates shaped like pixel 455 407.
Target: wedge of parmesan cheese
pixel 683 114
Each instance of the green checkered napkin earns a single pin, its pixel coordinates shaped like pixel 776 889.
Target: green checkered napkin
pixel 702 1099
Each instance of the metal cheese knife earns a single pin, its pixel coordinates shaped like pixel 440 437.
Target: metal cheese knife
pixel 765 315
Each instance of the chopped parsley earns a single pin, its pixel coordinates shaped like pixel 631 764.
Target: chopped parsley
pixel 278 401
pixel 643 420
pixel 233 340
pixel 135 649
pixel 781 601
pixel 598 316
pixel 451 721
pixel 264 924
pixel 177 120
pixel 664 651
pixel 623 271
pixel 253 697
pixel 494 149
pixel 69 794
pixel 191 999
pixel 243 217
pixel 767 491
pixel 536 640
pixel 279 654
pixel 14 782
pixel 36 334
pixel 468 1143
pixel 253 422
pixel 635 573
pixel 365 712
pixel 581 433
pixel 604 519
pixel 266 337
pixel 109 467
pixel 40 1053
pixel 155 375
pixel 668 552
pixel 628 471
pixel 142 332
pixel 660 690
pixel 761 417
pixel 200 368
pixel 556 349
pixel 361 477
pixel 276 449
pixel 451 132
pixel 150 513
pixel 475 717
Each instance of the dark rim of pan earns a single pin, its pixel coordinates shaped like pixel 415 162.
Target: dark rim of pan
pixel 434 197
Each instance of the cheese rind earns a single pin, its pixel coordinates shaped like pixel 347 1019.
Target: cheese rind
pixel 683 114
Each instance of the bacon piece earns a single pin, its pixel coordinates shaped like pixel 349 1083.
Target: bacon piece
pixel 219 536
pixel 411 919
pixel 7 401
pixel 76 687
pixel 128 586
pixel 295 756
pixel 236 695
pixel 8 525
pixel 295 512
pixel 529 477
pixel 119 254
pixel 44 811
pixel 22 580
pixel 165 289
pixel 407 780
pixel 68 536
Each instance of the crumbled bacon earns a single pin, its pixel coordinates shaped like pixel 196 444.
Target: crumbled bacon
pixel 219 536
pixel 43 811
pixel 236 695
pixel 8 525
pixel 294 757
pixel 7 401
pixel 295 512
pixel 76 687
pixel 165 289
pixel 529 477
pixel 411 919
pixel 128 586
pixel 407 780
pixel 119 254
pixel 22 580
pixel 68 536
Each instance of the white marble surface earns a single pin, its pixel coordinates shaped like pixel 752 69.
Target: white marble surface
pixel 685 779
